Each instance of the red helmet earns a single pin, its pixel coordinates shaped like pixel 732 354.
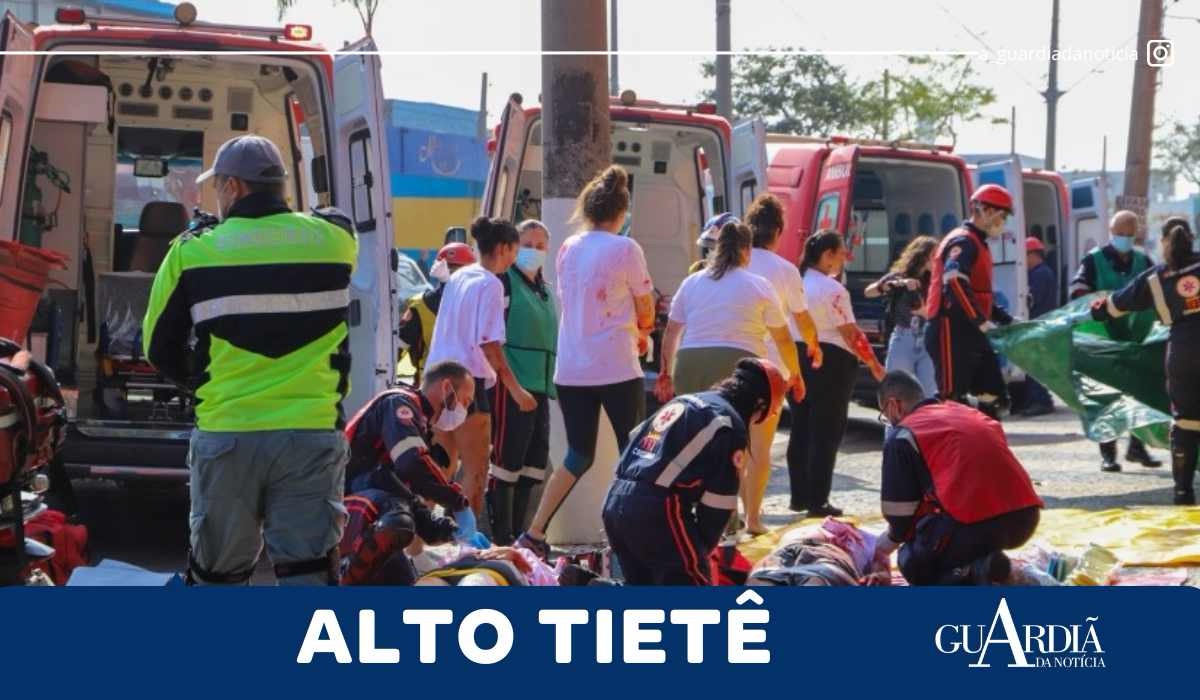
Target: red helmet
pixel 1033 245
pixel 457 254
pixel 774 379
pixel 994 196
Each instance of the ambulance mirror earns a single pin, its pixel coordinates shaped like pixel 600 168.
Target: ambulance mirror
pixel 149 167
pixel 320 175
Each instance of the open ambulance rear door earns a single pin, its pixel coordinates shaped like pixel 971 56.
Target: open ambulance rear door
pixel 505 169
pixel 1009 276
pixel 749 164
pixel 1089 218
pixel 16 107
pixel 835 194
pixel 364 194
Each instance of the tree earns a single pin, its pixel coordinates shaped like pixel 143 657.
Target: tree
pixel 1179 151
pixel 925 98
pixel 365 9
pixel 929 99
pixel 792 93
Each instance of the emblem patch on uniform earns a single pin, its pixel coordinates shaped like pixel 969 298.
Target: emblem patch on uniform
pixel 404 413
pixel 666 417
pixel 1188 286
pixel 954 253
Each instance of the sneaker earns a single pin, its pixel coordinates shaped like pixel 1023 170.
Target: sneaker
pixel 1185 498
pixel 533 544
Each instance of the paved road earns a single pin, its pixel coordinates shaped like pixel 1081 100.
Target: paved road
pixel 149 527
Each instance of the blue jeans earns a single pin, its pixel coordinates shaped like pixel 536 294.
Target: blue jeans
pixel 906 351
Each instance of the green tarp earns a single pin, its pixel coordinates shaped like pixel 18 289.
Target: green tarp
pixel 1104 372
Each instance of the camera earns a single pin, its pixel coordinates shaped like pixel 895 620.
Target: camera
pixel 1159 53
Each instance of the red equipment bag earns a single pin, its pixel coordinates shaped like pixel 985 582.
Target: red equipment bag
pixel 729 566
pixel 24 271
pixel 69 541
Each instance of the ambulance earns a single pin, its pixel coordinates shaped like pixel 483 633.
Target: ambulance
pixel 126 113
pixel 685 164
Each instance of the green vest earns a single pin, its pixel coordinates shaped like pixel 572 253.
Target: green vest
pixel 532 335
pixel 1135 326
pixel 267 299
pixel 418 306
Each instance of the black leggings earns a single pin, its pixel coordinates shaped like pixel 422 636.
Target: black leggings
pixel 625 404
pixel 818 424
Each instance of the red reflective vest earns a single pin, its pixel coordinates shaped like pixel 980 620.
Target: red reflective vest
pixel 975 476
pixel 980 281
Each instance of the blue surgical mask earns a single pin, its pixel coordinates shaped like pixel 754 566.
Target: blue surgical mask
pixel 530 260
pixel 1123 244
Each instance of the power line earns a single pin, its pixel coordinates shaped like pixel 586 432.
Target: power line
pixel 991 51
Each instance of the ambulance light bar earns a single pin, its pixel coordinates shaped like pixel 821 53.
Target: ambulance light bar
pixel 840 140
pixel 297 32
pixel 70 15
pixel 629 98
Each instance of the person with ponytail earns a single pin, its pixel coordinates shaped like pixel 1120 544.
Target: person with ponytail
pixel 1172 291
pixel 677 481
pixel 607 313
pixel 470 330
pixel 720 315
pixel 818 426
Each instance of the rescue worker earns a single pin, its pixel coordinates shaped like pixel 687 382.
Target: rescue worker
pixel 393 468
pixel 1172 290
pixel 961 307
pixel 677 480
pixel 1042 300
pixel 521 440
pixel 269 370
pixel 416 325
pixel 1109 268
pixel 707 242
pixel 953 493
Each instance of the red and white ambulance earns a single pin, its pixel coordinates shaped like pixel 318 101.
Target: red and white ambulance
pixel 129 111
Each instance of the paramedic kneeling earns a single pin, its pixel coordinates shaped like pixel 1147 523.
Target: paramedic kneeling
pixel 677 479
pixel 269 366
pixel 953 494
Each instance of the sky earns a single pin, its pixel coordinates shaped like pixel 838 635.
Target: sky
pixel 1008 36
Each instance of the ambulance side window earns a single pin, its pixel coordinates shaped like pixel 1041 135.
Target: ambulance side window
pixel 362 181
pixel 5 139
pixel 827 212
pixel 747 193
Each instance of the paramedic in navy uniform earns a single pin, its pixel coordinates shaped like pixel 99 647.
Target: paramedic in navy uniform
pixel 1172 289
pixel 677 479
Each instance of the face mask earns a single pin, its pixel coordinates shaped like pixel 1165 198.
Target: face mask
pixel 530 260
pixel 1123 244
pixel 452 416
pixel 440 271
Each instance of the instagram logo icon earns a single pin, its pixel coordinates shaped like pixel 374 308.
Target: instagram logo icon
pixel 1159 53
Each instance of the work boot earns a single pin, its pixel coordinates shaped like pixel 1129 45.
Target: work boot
pixel 991 569
pixel 824 510
pixel 1185 445
pixel 503 529
pixel 1137 452
pixel 521 502
pixel 1108 456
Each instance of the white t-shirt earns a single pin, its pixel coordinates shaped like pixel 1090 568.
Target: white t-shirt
pixel 734 311
pixel 829 304
pixel 789 287
pixel 471 314
pixel 598 274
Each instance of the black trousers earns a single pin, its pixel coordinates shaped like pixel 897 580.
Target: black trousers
pixel 653 537
pixel 964 361
pixel 625 404
pixel 941 543
pixel 818 424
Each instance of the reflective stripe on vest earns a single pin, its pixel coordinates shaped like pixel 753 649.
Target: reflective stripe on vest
pixel 980 279
pixel 975 475
pixel 689 452
pixel 269 304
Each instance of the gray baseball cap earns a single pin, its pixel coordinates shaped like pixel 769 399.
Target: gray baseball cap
pixel 250 158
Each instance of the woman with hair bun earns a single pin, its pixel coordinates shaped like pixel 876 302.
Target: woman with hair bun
pixel 1172 290
pixel 607 313
pixel 470 330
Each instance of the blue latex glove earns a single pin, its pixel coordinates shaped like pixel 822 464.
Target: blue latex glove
pixel 466 526
pixel 479 541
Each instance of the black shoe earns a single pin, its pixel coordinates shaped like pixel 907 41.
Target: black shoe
pixel 1108 457
pixel 824 510
pixel 1043 409
pixel 1185 498
pixel 1137 452
pixel 990 569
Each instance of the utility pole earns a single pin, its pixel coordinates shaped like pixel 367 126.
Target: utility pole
pixel 614 79
pixel 576 145
pixel 1141 117
pixel 482 125
pixel 1052 94
pixel 724 68
pixel 887 111
pixel 1012 132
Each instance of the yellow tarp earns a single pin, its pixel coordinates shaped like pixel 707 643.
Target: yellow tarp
pixel 1139 536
